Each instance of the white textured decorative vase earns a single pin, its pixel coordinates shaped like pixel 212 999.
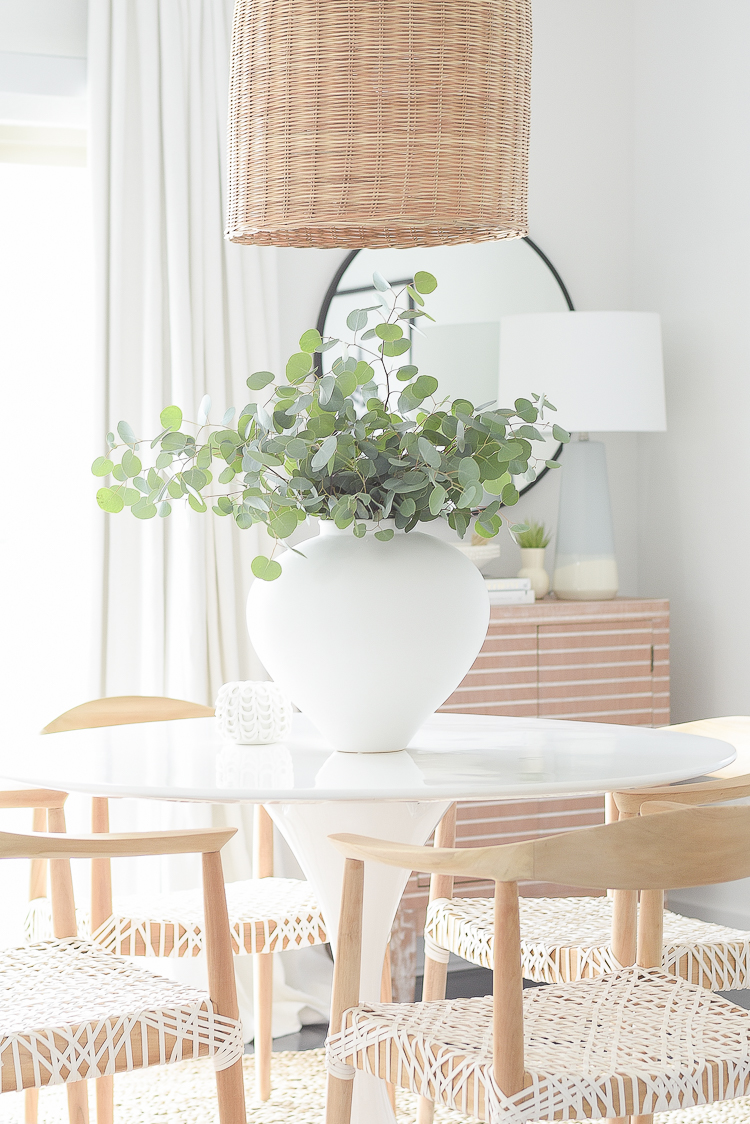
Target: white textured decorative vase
pixel 532 567
pixel 369 637
pixel 253 713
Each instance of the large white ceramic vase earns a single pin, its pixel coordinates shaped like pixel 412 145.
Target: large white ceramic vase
pixel 369 637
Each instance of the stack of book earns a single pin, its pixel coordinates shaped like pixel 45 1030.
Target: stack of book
pixel 509 591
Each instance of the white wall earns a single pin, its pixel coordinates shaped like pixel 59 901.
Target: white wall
pixel 692 263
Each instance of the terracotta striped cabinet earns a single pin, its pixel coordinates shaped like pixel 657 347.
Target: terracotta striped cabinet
pixel 595 661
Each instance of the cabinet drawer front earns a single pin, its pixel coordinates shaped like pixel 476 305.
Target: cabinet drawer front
pixel 503 679
pixel 597 671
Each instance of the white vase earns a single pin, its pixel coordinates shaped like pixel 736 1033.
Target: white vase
pixel 532 567
pixel 369 638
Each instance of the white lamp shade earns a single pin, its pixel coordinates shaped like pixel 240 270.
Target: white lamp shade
pixel 602 370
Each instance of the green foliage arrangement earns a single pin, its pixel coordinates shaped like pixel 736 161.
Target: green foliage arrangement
pixel 535 536
pixel 372 440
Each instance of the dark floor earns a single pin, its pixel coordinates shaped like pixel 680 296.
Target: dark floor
pixel 461 985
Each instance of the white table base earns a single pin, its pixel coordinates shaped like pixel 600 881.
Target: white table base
pixel 306 828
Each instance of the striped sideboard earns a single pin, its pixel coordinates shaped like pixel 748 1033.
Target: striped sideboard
pixel 593 661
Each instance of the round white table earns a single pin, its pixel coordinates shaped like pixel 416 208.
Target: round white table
pixel 312 792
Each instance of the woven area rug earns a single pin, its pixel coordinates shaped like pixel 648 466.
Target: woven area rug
pixel 185 1094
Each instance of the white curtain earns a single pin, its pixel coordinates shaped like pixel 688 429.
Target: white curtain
pixel 180 313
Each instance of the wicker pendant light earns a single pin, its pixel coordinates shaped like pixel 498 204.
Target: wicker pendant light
pixel 378 122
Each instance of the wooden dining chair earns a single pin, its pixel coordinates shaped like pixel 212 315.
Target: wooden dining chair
pixel 568 938
pixel 71 1012
pixel 266 914
pixel 47 805
pixel 629 1043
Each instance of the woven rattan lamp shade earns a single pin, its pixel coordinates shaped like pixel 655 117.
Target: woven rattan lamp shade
pixel 378 122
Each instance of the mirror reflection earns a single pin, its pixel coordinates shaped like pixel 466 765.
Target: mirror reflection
pixel 477 285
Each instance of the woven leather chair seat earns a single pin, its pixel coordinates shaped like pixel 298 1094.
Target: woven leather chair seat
pixel 69 1011
pixel 565 939
pixel 632 1042
pixel 265 915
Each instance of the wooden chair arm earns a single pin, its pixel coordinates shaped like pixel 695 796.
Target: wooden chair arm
pixel 702 792
pixel 32 798
pixel 125 709
pixel 125 845
pixel 653 807
pixel 508 863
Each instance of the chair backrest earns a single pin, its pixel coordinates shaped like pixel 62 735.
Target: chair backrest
pixel 689 847
pixel 734 729
pixel 121 710
pixel 730 783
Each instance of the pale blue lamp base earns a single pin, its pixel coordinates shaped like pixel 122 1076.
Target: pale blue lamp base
pixel 585 565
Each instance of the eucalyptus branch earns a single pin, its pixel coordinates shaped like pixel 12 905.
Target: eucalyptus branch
pixel 334 447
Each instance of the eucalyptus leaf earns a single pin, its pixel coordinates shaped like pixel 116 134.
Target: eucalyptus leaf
pixel 324 454
pixel 204 409
pixel 143 509
pixel 424 283
pixel 131 464
pixel 438 497
pixel 102 466
pixel 389 331
pixel 403 374
pixel 429 453
pixel 267 569
pixel 298 367
pixel 260 379
pixel 126 433
pixel 171 417
pixel 560 434
pixel 380 282
pixel 384 535
pixel 356 320
pixel 310 340
pixel 109 500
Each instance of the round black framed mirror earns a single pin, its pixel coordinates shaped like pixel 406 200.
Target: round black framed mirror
pixel 478 283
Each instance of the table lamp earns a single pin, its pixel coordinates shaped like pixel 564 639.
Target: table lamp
pixel 603 371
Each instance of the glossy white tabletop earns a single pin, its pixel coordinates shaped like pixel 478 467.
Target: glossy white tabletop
pixel 473 757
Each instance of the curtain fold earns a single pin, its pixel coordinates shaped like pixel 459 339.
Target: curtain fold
pixel 180 313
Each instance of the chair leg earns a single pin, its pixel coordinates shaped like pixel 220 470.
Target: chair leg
pixel 386 996
pixel 338 1100
pixel 433 987
pixel 105 1100
pixel 263 1011
pixel 30 1106
pixel 78 1102
pixel 230 1093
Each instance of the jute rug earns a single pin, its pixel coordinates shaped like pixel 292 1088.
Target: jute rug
pixel 185 1094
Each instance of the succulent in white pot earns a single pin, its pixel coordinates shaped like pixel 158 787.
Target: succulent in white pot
pixel 372 625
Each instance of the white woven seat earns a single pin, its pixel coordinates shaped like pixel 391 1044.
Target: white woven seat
pixel 70 1011
pixel 564 939
pixel 632 1042
pixel 265 915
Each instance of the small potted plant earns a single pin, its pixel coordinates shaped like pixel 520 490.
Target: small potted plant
pixel 370 625
pixel 532 542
